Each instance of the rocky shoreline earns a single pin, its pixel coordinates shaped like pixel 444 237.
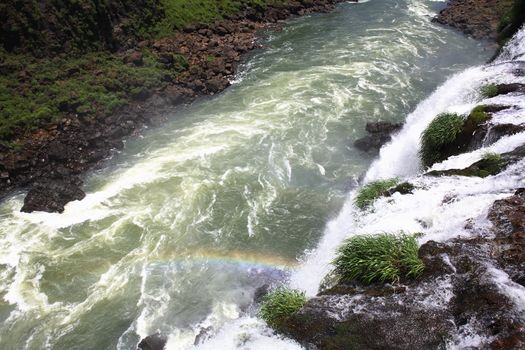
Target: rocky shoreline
pixel 477 18
pixel 52 159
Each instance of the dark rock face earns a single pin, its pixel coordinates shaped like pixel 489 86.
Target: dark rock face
pixel 477 18
pixel 508 217
pixel 380 134
pixel 503 89
pixel 496 132
pixel 153 342
pixel 485 167
pixel 458 291
pixel 51 195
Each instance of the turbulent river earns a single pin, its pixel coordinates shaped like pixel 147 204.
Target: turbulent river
pixel 242 189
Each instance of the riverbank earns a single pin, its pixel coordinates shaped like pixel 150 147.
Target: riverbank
pixel 64 115
pixel 495 20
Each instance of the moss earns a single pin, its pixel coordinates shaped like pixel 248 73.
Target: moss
pixel 382 257
pixel 441 132
pixel 490 164
pixel 96 83
pixel 279 304
pixel 489 90
pixel 371 191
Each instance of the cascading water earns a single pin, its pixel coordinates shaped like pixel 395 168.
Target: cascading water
pixel 180 230
pixel 439 207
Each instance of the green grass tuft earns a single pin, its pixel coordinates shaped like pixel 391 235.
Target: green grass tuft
pixel 373 190
pixel 279 304
pixel 492 157
pixel 489 90
pixel 478 115
pixel 382 257
pixel 441 132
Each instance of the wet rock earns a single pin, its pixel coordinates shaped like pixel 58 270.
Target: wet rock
pixel 503 89
pixel 380 134
pixel 486 166
pixel 508 218
pixel 402 188
pixel 381 323
pixel 51 195
pixel 204 334
pixel 382 127
pixel 153 342
pixel 498 131
pixel 260 293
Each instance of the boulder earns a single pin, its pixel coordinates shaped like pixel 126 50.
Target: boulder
pixel 153 342
pixel 379 134
pixel 51 195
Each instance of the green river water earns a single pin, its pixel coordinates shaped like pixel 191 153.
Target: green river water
pixel 180 228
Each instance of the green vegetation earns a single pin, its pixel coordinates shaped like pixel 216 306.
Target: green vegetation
pixel 478 115
pixel 511 20
pixel 489 90
pixel 373 190
pixel 279 304
pixel 490 164
pixel 382 257
pixel 40 84
pixel 179 14
pixel 492 157
pixel 36 91
pixel 441 132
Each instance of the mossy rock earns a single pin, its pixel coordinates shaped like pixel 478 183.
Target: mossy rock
pixel 373 190
pixel 490 164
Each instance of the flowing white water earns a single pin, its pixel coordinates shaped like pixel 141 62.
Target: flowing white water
pixel 439 207
pixel 227 197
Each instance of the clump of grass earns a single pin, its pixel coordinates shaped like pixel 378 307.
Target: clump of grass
pixel 381 257
pixel 373 190
pixel 478 115
pixel 442 131
pixel 491 164
pixel 280 304
pixel 489 90
pixel 492 157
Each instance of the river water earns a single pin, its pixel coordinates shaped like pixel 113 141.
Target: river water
pixel 233 192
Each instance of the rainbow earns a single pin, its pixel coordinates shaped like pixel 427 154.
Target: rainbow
pixel 238 258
